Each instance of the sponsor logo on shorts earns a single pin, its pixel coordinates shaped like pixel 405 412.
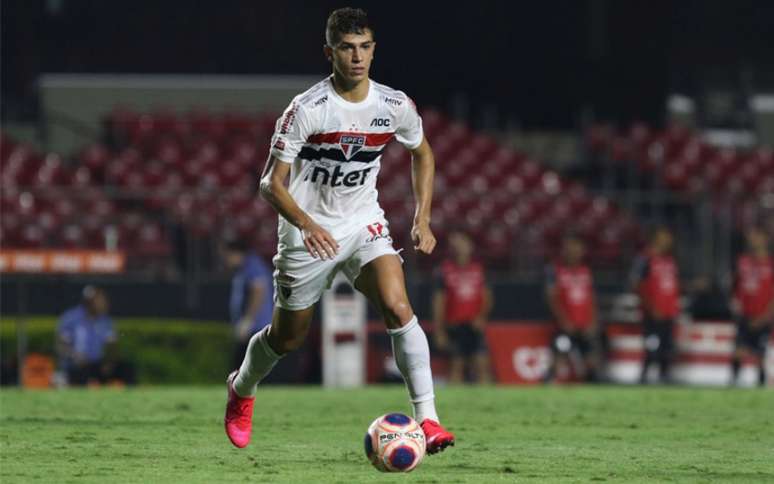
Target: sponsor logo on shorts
pixel 377 232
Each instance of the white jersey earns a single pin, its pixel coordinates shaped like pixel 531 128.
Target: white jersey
pixel 335 147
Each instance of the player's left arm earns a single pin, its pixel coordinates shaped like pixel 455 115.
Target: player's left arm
pixel 767 317
pixel 422 174
pixel 254 302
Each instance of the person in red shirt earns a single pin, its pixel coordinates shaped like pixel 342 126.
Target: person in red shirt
pixel 461 305
pixel 655 278
pixel 753 302
pixel 571 299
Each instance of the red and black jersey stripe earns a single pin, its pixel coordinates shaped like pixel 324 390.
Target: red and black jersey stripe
pixel 335 154
pixel 372 140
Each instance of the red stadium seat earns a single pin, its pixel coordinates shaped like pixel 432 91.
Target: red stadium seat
pixel 621 149
pixel 94 228
pixel 52 172
pixel 71 236
pixel 151 241
pixel 32 236
pixel 676 176
pixel 169 151
pixel 764 158
pixel 598 137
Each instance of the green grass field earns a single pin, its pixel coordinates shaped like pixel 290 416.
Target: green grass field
pixel 572 434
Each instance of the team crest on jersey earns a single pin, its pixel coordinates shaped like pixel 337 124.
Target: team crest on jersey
pixel 351 144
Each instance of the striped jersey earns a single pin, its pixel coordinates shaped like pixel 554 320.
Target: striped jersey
pixel 335 147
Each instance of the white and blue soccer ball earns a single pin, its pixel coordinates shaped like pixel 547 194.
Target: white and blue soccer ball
pixel 395 443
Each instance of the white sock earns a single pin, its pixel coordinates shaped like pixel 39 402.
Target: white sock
pixel 258 362
pixel 412 354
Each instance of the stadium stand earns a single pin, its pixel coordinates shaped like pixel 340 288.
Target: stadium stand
pixel 162 169
pixel 680 160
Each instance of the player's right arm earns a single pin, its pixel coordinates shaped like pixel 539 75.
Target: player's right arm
pixel 65 340
pixel 637 276
pixel 317 240
pixel 552 297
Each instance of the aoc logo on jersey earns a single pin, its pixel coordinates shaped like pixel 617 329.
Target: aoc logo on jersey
pixel 380 122
pixel 351 144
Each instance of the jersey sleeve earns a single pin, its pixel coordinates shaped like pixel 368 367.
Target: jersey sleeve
pixel 66 327
pixel 409 130
pixel 290 133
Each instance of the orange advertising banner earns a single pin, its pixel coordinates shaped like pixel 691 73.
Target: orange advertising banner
pixel 61 261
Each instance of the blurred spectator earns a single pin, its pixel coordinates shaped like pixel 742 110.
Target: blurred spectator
pixel 461 305
pixel 753 303
pixel 571 299
pixel 252 295
pixel 86 342
pixel 654 277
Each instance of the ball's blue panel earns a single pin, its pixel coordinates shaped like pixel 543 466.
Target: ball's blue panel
pixel 397 419
pixel 369 445
pixel 402 457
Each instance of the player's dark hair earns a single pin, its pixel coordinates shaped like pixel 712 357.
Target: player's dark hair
pixel 658 229
pixel 237 245
pixel 570 236
pixel 345 21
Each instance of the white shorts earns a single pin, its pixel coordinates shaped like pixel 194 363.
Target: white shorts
pixel 300 279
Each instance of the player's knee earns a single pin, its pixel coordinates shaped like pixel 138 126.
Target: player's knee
pixel 398 311
pixel 288 345
pixel 285 343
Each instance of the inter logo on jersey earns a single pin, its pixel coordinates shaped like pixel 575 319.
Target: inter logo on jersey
pixel 351 144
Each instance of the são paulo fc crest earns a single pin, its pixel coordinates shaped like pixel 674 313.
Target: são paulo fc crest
pixel 351 144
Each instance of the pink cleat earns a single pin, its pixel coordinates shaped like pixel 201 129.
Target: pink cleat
pixel 239 415
pixel 436 437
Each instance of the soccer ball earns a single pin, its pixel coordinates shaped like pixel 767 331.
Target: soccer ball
pixel 395 443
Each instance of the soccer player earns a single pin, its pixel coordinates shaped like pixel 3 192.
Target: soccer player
pixel 655 277
pixel 461 305
pixel 250 303
pixel 571 299
pixel 753 303
pixel 328 143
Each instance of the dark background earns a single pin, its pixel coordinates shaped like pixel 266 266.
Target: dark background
pixel 541 64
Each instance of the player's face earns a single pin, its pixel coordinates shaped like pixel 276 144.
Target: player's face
pixel 233 259
pixel 352 56
pixel 757 240
pixel 573 251
pixel 663 241
pixel 99 303
pixel 462 246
